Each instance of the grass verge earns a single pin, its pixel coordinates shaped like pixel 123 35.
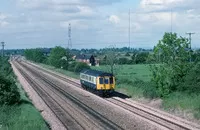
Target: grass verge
pixel 183 101
pixel 23 116
pixel 65 72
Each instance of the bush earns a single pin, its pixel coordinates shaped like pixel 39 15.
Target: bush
pixel 191 82
pixel 71 66
pixel 64 64
pixel 150 91
pixel 9 93
pixel 122 61
pixel 80 66
pixel 127 54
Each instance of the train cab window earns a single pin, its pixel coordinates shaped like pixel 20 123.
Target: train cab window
pixel 106 81
pixel 111 80
pixel 100 80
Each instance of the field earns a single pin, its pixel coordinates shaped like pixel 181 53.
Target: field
pixel 23 116
pixel 132 72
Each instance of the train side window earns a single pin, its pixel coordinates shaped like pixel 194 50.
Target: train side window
pixel 106 81
pixel 92 79
pixel 100 80
pixel 111 80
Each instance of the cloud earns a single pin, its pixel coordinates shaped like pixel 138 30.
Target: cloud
pixel 114 19
pixel 3 21
pixel 168 5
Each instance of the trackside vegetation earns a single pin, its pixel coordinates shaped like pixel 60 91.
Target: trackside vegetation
pixel 16 111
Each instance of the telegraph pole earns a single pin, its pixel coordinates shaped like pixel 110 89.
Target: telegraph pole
pixel 3 45
pixel 171 21
pixel 2 57
pixel 190 39
pixel 129 34
pixel 69 37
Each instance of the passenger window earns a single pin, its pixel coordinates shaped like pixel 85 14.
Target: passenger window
pixel 100 80
pixel 106 81
pixel 111 80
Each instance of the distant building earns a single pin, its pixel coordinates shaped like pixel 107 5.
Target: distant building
pixel 85 59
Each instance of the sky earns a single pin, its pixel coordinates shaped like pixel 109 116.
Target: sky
pixel 96 23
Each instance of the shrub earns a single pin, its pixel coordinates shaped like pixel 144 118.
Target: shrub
pixel 127 54
pixel 9 93
pixel 122 61
pixel 71 66
pixel 64 64
pixel 80 66
pixel 191 82
pixel 150 91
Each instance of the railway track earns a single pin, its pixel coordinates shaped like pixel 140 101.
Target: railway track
pixel 154 115
pixel 61 114
pixel 103 122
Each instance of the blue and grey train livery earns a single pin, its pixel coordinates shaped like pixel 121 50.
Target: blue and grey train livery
pixel 97 80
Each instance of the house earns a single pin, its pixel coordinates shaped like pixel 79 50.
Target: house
pixel 86 59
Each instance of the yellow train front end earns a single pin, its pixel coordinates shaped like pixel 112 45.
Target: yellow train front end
pixel 106 84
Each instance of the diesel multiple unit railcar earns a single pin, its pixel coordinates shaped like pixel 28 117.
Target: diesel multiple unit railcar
pixel 101 82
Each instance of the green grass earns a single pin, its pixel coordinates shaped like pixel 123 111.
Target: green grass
pixel 23 116
pixel 132 72
pixel 134 92
pixel 183 101
pixel 65 72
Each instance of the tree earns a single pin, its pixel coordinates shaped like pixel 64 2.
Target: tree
pixel 127 54
pixel 175 63
pixel 57 55
pixel 122 61
pixel 35 55
pixel 111 59
pixel 141 58
pixel 92 61
pixel 80 66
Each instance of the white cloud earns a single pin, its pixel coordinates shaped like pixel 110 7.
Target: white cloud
pixel 2 16
pixel 153 5
pixel 114 19
pixel 3 21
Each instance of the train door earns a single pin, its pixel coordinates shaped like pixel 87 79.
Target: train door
pixel 106 82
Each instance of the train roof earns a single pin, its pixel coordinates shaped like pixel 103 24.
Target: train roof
pixel 95 73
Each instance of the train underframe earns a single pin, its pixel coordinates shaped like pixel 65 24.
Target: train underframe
pixel 102 93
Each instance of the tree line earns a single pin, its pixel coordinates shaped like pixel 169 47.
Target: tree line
pixel 58 57
pixel 9 93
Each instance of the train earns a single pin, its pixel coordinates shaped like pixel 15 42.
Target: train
pixel 102 83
